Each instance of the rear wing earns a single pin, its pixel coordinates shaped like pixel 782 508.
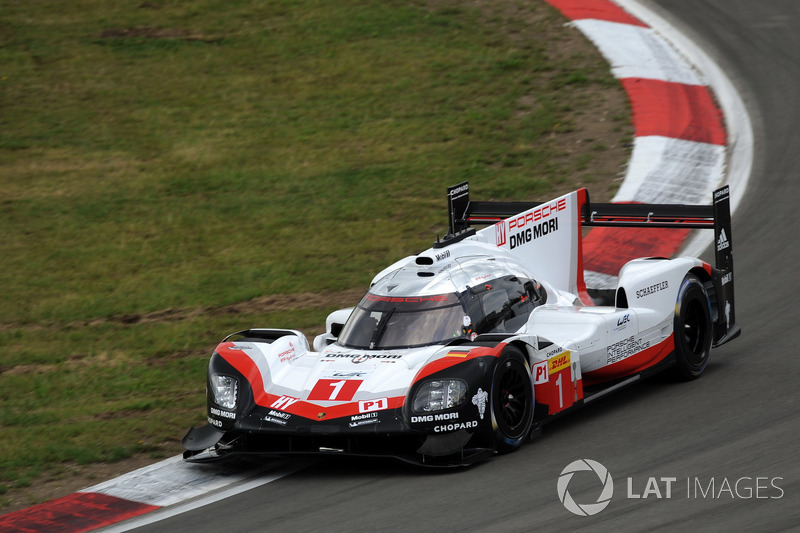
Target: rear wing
pixel 464 214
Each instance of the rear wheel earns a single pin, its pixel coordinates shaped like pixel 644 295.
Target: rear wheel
pixel 512 400
pixel 693 329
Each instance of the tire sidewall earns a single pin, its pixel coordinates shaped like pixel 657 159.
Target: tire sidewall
pixel 507 438
pixel 692 299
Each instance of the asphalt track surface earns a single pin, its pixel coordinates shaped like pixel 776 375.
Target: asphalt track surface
pixel 740 420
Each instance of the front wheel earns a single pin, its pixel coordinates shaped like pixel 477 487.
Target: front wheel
pixel 693 329
pixel 512 400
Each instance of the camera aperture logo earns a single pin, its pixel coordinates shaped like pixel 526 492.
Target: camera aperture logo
pixel 586 509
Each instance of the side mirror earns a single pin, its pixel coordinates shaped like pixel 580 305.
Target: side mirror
pixel 335 321
pixel 536 292
pixel 333 328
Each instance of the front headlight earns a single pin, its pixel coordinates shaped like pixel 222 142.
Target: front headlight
pixel 225 389
pixel 440 395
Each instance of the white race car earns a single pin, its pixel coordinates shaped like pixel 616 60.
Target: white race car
pixel 468 348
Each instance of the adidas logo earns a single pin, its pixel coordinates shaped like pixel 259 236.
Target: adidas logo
pixel 722 242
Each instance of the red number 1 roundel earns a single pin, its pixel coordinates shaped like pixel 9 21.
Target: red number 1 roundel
pixel 339 390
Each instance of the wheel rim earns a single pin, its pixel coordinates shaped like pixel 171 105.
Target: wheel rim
pixel 513 399
pixel 695 330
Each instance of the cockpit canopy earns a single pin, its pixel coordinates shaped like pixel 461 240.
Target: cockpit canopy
pixel 392 322
pixel 381 322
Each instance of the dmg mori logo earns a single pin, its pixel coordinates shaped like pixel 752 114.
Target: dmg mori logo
pixel 586 509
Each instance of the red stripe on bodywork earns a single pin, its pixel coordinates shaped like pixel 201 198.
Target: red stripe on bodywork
pixel 638 362
pixel 247 368
pixel 82 511
pixel 674 110
pixel 446 362
pixel 320 412
pixel 580 281
pixel 594 9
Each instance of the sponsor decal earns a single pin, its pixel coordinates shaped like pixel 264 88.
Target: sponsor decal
pixel 540 374
pixel 365 416
pixel 531 222
pixel 442 256
pixel 214 422
pixel 344 374
pixel 455 427
pixel 558 363
pixel 287 355
pixel 500 233
pixel 272 420
pixel 727 314
pixel 531 234
pixel 722 193
pixel 364 422
pixel 434 418
pixel 458 191
pixel 723 241
pixel 406 299
pixel 624 320
pixel 360 359
pixel 241 347
pixel 537 214
pixel 363 357
pixel 652 289
pixel 625 348
pixel 283 402
pixel 378 404
pixel 479 400
pixel 727 278
pixel 278 414
pixel 222 414
pixel 332 390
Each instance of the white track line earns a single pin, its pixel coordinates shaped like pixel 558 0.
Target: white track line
pixel 233 489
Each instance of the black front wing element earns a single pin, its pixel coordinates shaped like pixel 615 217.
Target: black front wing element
pixel 400 446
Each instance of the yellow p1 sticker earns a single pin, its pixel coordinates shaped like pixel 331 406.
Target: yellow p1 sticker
pixel 558 363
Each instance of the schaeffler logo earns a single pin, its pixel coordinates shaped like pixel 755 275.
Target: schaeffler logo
pixel 586 509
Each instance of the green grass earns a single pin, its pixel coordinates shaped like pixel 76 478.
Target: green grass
pixel 193 154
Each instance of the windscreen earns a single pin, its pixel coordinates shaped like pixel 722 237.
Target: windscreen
pixel 384 322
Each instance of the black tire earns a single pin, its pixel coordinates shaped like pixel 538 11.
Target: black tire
pixel 511 400
pixel 693 329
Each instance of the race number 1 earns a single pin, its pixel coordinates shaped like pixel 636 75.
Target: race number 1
pixel 333 390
